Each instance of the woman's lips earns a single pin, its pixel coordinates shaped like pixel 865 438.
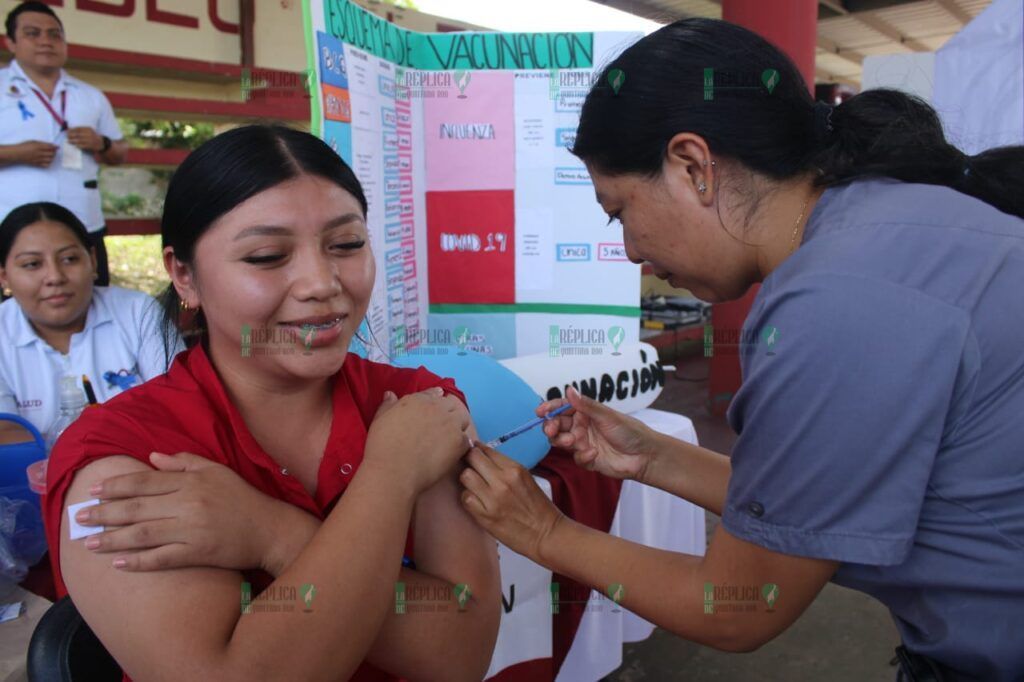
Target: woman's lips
pixel 318 335
pixel 58 300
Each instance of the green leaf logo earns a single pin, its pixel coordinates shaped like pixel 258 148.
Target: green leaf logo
pixel 308 334
pixel 616 592
pixel 616 77
pixel 307 591
pixel 462 79
pixel 770 78
pixel 770 592
pixel 462 595
pixel 461 337
pixel 616 335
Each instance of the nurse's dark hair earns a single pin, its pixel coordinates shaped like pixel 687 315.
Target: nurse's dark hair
pixel 29 214
pixel 225 172
pixel 626 124
pixel 11 24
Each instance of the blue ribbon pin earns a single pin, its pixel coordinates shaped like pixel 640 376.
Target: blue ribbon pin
pixel 25 113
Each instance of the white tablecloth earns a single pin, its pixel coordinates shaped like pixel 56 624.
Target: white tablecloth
pixel 645 515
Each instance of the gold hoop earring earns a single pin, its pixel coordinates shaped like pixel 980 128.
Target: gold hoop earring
pixel 183 305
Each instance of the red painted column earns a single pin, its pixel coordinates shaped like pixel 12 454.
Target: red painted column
pixel 792 25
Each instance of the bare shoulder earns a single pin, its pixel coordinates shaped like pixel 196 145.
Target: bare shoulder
pixel 170 624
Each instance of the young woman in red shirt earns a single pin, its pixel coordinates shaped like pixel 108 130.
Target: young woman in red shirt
pixel 297 477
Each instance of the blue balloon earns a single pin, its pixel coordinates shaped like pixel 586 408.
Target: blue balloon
pixel 499 400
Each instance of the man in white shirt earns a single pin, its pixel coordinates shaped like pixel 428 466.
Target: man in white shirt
pixel 55 130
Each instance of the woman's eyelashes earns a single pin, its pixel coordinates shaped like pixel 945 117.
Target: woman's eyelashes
pixel 349 245
pixel 340 248
pixel 614 217
pixel 33 264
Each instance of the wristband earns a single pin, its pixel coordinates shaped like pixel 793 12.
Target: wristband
pixel 106 144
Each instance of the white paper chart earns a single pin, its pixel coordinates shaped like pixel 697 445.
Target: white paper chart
pixel 485 228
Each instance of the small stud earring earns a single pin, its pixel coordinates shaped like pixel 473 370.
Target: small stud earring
pixel 702 187
pixel 8 293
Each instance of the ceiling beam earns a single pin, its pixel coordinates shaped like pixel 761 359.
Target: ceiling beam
pixel 826 77
pixel 954 9
pixel 889 31
pixel 829 46
pixel 834 5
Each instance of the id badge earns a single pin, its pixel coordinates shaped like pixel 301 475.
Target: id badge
pixel 70 156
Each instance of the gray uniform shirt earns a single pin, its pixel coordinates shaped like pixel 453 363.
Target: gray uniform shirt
pixel 881 415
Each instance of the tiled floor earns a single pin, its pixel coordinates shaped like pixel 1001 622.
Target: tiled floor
pixel 844 636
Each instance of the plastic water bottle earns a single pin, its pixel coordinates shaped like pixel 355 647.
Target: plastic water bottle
pixel 72 402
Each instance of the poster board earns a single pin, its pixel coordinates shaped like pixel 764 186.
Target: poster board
pixel 485 228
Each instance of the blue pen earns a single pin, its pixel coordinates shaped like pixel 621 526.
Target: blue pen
pixel 527 426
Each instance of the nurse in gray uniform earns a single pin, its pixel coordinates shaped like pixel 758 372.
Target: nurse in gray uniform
pixel 881 416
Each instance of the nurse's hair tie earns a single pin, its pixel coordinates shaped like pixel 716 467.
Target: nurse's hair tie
pixel 823 126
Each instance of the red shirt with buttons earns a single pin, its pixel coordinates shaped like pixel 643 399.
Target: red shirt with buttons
pixel 188 410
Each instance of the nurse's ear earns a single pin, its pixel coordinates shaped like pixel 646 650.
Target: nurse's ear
pixel 688 165
pixel 182 277
pixel 95 263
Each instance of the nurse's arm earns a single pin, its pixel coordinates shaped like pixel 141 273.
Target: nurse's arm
pixel 695 474
pixel 668 588
pixel 187 623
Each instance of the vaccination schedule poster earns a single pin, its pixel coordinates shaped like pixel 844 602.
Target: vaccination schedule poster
pixel 485 228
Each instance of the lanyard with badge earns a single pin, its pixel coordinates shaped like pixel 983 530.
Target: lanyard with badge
pixel 71 156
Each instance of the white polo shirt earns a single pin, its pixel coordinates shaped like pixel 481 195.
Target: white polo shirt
pixel 23 117
pixel 120 346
